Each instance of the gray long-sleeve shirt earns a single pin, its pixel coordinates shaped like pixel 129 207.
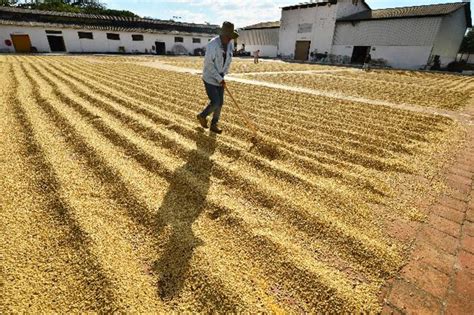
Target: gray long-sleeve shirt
pixel 214 65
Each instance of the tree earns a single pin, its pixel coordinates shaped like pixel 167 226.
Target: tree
pixel 8 3
pixel 88 4
pixel 467 46
pixel 123 13
pixel 77 6
pixel 50 5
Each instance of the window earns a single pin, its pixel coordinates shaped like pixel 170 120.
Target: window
pixel 113 36
pixel 86 35
pixel 53 32
pixel 305 28
pixel 137 37
pixel 178 40
pixel 196 40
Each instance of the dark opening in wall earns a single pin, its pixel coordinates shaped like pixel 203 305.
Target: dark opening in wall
pixel 137 37
pixel 56 43
pixel 86 35
pixel 113 36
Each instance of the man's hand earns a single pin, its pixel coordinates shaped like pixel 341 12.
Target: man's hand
pixel 223 83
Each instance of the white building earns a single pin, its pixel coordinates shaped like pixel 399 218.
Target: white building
pixel 309 27
pixel 407 37
pixel 24 30
pixel 469 58
pixel 261 36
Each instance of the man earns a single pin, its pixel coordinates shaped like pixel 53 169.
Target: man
pixel 241 51
pixel 367 60
pixel 256 55
pixel 216 65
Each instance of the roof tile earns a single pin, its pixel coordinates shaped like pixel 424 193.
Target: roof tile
pixel 404 12
pixel 274 24
pixel 17 16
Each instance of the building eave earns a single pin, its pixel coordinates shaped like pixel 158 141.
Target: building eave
pixel 408 12
pixel 258 28
pixel 315 4
pixel 25 15
pixel 100 28
pixel 466 9
pixel 387 18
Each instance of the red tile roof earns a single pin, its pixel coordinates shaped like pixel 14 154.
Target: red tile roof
pixel 409 12
pixel 66 19
pixel 275 24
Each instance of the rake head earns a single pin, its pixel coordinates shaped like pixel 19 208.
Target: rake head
pixel 268 150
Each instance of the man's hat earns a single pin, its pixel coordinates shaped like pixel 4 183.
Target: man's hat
pixel 228 30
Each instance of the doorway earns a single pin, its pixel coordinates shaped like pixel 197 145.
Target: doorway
pixel 56 43
pixel 21 43
pixel 160 48
pixel 359 53
pixel 302 50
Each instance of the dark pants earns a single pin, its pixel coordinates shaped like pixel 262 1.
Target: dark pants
pixel 216 100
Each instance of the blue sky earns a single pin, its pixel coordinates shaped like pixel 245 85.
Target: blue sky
pixel 241 12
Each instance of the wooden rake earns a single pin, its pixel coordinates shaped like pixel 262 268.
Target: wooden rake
pixel 248 122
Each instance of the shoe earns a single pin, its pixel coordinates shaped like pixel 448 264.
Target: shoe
pixel 202 121
pixel 216 129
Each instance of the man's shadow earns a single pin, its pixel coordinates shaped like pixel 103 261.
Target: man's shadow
pixel 181 206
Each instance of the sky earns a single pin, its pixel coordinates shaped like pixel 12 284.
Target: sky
pixel 240 12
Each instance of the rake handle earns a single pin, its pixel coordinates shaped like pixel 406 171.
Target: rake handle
pixel 248 122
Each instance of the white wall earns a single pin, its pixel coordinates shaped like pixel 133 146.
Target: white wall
pixel 265 50
pixel 403 57
pixel 3 47
pixel 288 30
pixel 37 37
pixel 323 20
pixel 450 36
pixel 391 32
pixel 342 50
pixel 265 40
pixel 404 43
pixel 100 43
pixel 467 58
pixel 346 8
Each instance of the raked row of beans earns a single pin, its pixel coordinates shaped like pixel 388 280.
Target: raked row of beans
pixel 118 202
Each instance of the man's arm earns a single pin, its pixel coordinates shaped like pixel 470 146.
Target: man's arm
pixel 227 67
pixel 209 64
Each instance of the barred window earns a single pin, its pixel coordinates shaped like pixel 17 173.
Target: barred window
pixel 196 40
pixel 178 40
pixel 138 37
pixel 86 35
pixel 113 36
pixel 305 28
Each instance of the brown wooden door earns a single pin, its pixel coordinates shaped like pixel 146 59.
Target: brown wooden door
pixel 302 50
pixel 21 43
